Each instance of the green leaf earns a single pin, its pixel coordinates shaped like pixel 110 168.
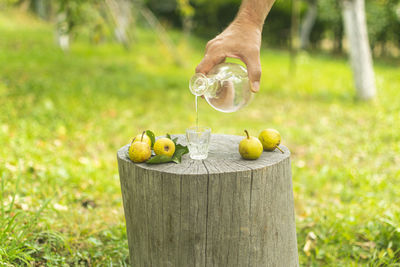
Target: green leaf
pixel 152 137
pixel 159 159
pixel 179 146
pixel 170 137
pixel 180 150
pixel 175 140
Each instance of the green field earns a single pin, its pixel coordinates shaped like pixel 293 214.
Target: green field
pixel 63 116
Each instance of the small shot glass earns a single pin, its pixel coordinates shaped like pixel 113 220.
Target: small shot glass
pixel 198 140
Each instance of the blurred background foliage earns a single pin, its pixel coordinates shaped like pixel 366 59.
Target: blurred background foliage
pixel 125 68
pixel 206 18
pixel 211 17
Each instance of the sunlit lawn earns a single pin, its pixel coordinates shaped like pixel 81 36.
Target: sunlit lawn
pixel 63 116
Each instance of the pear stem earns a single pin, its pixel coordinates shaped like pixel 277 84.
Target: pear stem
pixel 280 149
pixel 247 133
pixel 141 140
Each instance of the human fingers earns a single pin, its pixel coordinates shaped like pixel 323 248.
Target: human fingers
pixel 254 70
pixel 213 56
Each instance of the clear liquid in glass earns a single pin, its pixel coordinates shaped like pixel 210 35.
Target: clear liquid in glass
pixel 198 140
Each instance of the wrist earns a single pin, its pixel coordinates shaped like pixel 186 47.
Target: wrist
pixel 250 19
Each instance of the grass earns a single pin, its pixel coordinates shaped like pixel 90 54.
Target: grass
pixel 64 115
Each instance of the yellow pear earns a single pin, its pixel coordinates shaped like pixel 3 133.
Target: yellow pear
pixel 146 139
pixel 164 146
pixel 250 147
pixel 270 139
pixel 139 151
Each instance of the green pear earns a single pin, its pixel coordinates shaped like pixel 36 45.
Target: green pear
pixel 250 147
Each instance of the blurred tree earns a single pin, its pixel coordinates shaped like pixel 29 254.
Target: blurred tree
pixel 69 15
pixel 383 17
pixel 308 23
pixel 62 31
pixel 6 3
pixel 41 7
pixel 360 53
pixel 321 25
pixel 161 33
pixel 294 35
pixel 121 15
pixel 330 24
pixel 277 28
pixel 187 13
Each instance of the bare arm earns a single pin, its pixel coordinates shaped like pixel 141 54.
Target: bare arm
pixel 254 11
pixel 241 39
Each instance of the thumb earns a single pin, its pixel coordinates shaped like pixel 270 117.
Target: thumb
pixel 254 71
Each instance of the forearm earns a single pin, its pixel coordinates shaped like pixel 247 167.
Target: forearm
pixel 254 12
pixel 241 39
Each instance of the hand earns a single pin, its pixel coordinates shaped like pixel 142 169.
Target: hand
pixel 240 40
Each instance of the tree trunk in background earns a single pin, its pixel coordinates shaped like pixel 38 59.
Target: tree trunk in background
pixel 360 52
pixel 40 8
pixel 62 31
pixel 187 26
pixel 294 35
pixel 121 12
pixel 308 24
pixel 186 11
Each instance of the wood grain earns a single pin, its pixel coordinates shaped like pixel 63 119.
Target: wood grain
pixel 221 211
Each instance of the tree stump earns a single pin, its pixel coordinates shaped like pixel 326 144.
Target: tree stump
pixel 221 211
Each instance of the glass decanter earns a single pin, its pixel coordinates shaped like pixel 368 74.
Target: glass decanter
pixel 226 87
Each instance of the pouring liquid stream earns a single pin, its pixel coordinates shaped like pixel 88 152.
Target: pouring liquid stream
pixel 197 114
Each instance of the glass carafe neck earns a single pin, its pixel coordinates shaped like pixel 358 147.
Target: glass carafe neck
pixel 200 84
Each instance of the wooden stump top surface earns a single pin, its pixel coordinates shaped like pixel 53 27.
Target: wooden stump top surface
pixel 223 157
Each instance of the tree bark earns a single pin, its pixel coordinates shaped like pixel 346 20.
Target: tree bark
pixel 308 24
pixel 222 211
pixel 360 51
